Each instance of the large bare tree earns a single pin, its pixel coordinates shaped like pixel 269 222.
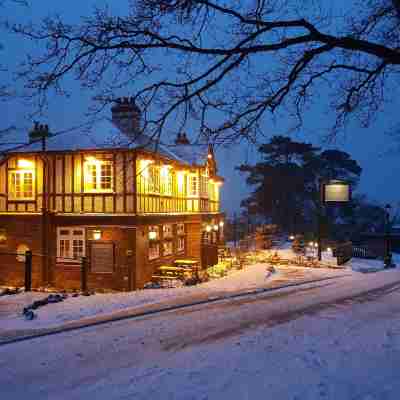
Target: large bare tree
pixel 6 91
pixel 227 65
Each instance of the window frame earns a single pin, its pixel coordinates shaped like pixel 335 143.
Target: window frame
pixel 168 231
pixel 193 177
pixel 153 179
pixel 180 229
pixel 70 237
pixel 99 177
pixel 180 239
pixel 171 247
pixel 11 195
pixel 154 244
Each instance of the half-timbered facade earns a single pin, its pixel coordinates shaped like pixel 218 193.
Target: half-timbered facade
pixel 127 209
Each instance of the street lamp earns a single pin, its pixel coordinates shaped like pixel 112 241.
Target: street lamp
pixel 333 191
pixel 387 255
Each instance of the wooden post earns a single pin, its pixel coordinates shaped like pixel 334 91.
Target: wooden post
pixel 28 271
pixel 84 274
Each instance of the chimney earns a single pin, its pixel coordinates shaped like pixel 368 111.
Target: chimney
pixel 181 138
pixel 126 116
pixel 39 131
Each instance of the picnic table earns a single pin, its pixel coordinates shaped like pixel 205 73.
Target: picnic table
pixel 190 266
pixel 182 270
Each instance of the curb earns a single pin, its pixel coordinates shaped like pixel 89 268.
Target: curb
pixel 102 320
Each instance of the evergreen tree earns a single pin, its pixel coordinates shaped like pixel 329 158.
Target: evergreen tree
pixel 286 181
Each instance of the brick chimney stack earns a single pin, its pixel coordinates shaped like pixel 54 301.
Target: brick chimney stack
pixel 126 116
pixel 181 138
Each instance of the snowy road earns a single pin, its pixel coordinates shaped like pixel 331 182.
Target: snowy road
pixel 335 340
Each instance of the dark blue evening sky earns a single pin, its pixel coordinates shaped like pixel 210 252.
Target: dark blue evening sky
pixel 376 152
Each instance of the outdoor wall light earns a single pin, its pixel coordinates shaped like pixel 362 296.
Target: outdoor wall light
pixel 221 224
pixel 152 235
pixel 208 228
pixel 215 227
pixel 291 237
pixel 97 234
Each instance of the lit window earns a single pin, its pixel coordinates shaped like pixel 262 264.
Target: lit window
pixel 98 175
pixel 3 235
pixel 203 186
pixel 154 250
pixel 180 244
pixel 193 185
pixel 153 179
pixel 166 180
pixel 21 252
pixel 154 232
pixel 70 243
pixel 167 231
pixel 167 248
pixel 180 229
pixel 21 185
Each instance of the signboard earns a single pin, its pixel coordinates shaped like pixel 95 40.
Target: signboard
pixel 336 191
pixel 102 257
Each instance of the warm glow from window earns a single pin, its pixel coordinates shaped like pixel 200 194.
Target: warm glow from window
pixel 21 184
pixel 98 175
pixel 144 168
pixel 96 235
pixel 166 180
pixel 180 180
pixel 25 164
pixel 193 185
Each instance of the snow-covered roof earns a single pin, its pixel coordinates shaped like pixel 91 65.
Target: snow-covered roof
pixel 104 134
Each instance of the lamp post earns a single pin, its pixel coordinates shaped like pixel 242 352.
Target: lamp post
pixel 333 192
pixel 387 255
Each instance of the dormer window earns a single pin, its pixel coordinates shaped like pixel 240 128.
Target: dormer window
pixel 21 181
pixel 98 175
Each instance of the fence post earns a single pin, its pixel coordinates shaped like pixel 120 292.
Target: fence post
pixel 28 271
pixel 83 274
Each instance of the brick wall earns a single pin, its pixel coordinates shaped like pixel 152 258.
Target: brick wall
pixel 20 230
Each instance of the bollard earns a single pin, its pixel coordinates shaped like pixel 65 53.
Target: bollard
pixel 83 274
pixel 28 271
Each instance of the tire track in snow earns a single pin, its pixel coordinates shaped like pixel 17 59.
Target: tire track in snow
pixel 207 336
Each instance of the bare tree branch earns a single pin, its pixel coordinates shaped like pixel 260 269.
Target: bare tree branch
pixel 223 65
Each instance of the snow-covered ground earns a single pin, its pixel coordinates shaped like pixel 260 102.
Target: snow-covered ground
pixel 337 340
pixel 87 307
